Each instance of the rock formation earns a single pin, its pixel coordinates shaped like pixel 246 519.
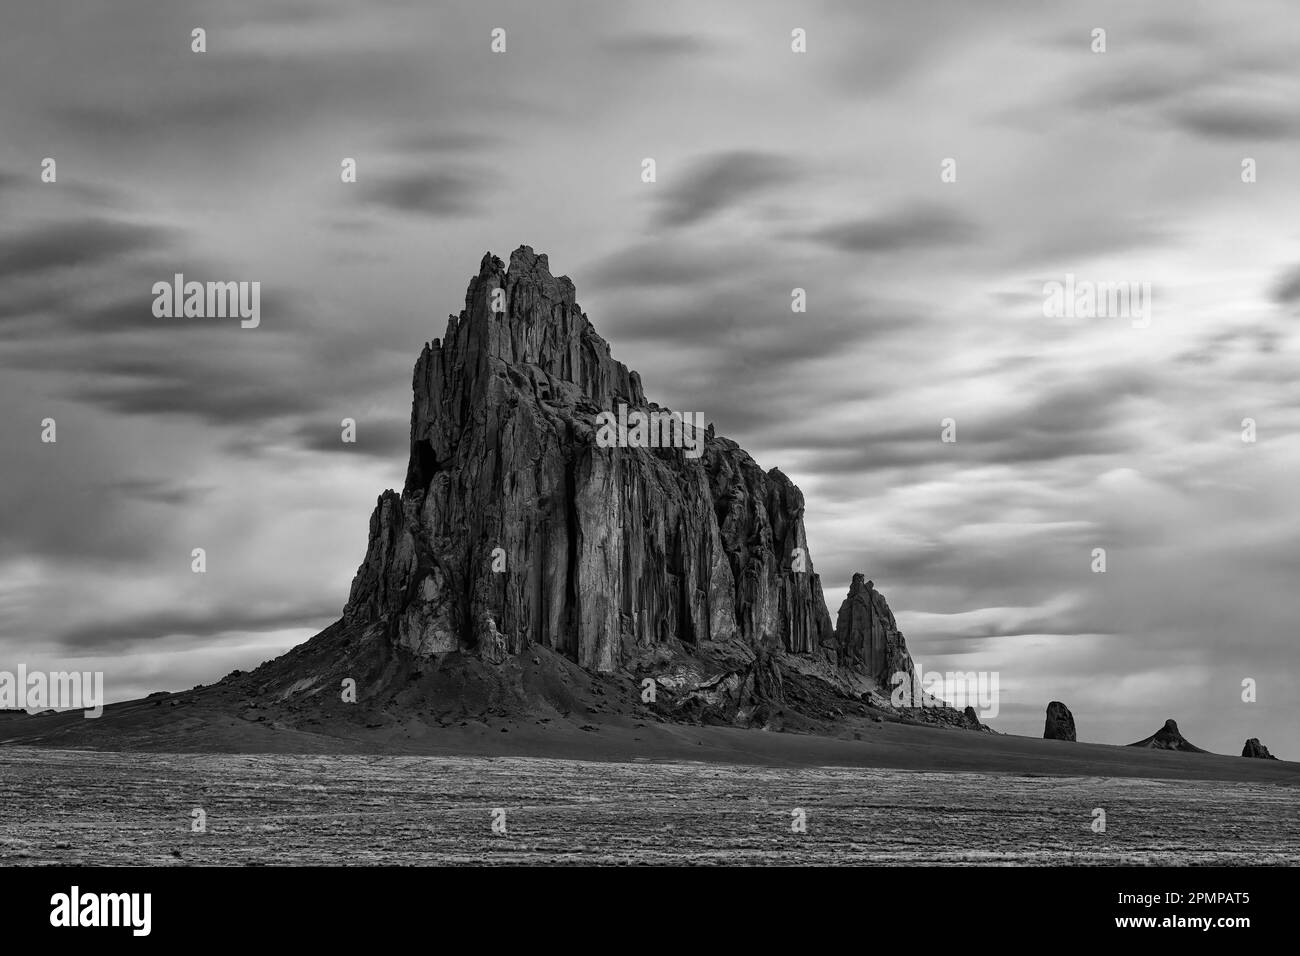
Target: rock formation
pixel 1257 750
pixel 519 530
pixel 867 638
pixel 1060 722
pixel 1168 738
pixel 515 529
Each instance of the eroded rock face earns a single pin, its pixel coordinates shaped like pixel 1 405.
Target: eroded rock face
pixel 1257 750
pixel 1060 722
pixel 867 638
pixel 515 528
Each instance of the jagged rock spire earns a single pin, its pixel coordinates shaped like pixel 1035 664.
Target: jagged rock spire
pixel 867 637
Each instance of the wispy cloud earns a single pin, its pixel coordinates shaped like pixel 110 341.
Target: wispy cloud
pixel 713 184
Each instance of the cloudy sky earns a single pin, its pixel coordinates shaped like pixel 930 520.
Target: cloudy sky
pixel 775 170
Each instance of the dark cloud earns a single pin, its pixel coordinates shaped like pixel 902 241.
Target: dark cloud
pixel 1130 89
pixel 148 627
pixel 1239 121
pixel 207 394
pixel 22 303
pixel 1229 94
pixel 296 13
pixel 718 182
pixel 712 325
pixel 1090 234
pixel 76 192
pixel 656 44
pixel 155 491
pixel 126 315
pixel 913 450
pixel 120 300
pixel 68 244
pixel 388 439
pixel 274 78
pixel 89 528
pixel 98 342
pixel 913 227
pixel 1061 422
pixel 1232 343
pixel 245 382
pixel 199 113
pixel 1287 289
pixel 752 325
pixel 436 193
pixel 659 264
pixel 448 141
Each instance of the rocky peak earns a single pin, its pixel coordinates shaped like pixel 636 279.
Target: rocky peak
pixel 521 331
pixel 516 528
pixel 867 637
pixel 1168 737
pixel 1256 750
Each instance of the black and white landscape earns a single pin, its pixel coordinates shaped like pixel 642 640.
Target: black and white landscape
pixel 330 537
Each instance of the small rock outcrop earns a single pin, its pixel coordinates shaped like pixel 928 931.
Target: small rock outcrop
pixel 1257 750
pixel 1060 722
pixel 1169 738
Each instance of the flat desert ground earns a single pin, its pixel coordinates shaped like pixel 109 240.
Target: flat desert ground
pixel 116 792
pixel 80 807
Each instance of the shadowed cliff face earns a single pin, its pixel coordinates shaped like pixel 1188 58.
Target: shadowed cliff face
pixel 515 527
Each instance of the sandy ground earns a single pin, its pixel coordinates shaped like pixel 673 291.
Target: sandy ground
pixel 193 726
pixel 285 787
pixel 79 807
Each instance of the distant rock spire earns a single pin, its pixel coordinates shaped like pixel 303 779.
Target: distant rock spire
pixel 1169 738
pixel 1256 750
pixel 1060 722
